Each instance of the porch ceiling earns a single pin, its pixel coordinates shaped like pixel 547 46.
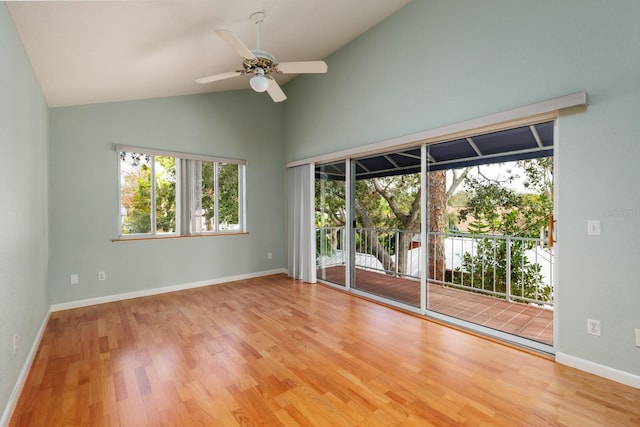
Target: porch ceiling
pixel 527 142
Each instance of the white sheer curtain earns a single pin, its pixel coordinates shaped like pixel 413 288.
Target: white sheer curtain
pixel 302 248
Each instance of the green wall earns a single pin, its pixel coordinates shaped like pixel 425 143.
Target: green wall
pixel 439 62
pixel 24 300
pixel 84 202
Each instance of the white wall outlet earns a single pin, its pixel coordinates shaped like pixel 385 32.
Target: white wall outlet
pixel 269 255
pixel 593 227
pixel 102 275
pixel 16 343
pixel 74 279
pixel 637 337
pixel 593 327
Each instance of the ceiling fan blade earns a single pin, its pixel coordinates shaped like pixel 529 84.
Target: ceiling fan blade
pixel 217 77
pixel 303 67
pixel 235 43
pixel 275 91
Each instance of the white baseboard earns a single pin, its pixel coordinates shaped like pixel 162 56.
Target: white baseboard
pixel 22 377
pixel 162 290
pixel 599 370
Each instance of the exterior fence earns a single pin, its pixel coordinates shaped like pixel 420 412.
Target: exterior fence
pixel 508 267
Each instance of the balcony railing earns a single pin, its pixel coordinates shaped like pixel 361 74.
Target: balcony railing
pixel 508 267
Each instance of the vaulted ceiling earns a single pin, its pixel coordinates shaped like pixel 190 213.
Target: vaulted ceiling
pixel 87 52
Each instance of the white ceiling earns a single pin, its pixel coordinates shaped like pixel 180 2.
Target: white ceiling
pixel 86 52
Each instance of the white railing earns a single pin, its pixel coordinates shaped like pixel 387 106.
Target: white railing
pixel 330 247
pixel 513 268
pixel 384 256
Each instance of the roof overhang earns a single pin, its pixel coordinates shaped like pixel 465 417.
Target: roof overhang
pixel 520 143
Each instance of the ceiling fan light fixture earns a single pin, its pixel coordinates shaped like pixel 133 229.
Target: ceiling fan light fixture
pixel 259 82
pixel 258 62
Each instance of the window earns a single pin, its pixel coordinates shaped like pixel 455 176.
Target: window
pixel 169 193
pixel 212 190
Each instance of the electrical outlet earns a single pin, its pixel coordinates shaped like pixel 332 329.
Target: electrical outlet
pixel 102 275
pixel 593 327
pixel 74 279
pixel 269 255
pixel 16 342
pixel 637 337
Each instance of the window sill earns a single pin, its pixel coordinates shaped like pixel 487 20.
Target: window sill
pixel 172 236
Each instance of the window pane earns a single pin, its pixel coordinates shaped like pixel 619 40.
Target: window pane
pixel 135 193
pixel 206 196
pixel 165 174
pixel 228 201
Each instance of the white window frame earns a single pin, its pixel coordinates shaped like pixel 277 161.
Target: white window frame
pixel 180 229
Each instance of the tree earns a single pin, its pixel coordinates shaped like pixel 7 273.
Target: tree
pixel 204 200
pixel 495 208
pixel 382 206
pixel 229 196
pixel 136 193
pixel 437 223
pixel 140 181
pixel 165 194
pixel 330 211
pixel 501 209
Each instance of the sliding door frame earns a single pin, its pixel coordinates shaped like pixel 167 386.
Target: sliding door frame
pixel 350 229
pixel 548 110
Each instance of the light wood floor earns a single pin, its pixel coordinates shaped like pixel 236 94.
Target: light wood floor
pixel 273 351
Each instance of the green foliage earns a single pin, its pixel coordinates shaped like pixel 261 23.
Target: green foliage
pixel 330 214
pixel 136 190
pixel 478 226
pixel 139 217
pixel 502 209
pixel 207 193
pixel 165 194
pixel 228 197
pixel 329 203
pixel 487 269
pixel 228 194
pixel 495 208
pixel 386 203
pixel 136 193
pixel 401 190
pixel 490 206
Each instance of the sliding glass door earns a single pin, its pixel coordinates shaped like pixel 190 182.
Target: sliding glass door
pixel 489 258
pixel 484 203
pixel 331 220
pixel 387 226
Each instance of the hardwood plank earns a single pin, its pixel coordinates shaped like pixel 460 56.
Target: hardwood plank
pixel 274 351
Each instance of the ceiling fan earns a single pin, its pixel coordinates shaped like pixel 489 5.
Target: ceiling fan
pixel 262 64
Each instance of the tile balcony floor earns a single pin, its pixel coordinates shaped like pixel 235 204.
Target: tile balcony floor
pixel 523 320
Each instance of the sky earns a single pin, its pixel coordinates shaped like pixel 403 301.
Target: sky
pixel 494 171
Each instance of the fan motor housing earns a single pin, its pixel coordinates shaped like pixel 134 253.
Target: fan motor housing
pixel 263 60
